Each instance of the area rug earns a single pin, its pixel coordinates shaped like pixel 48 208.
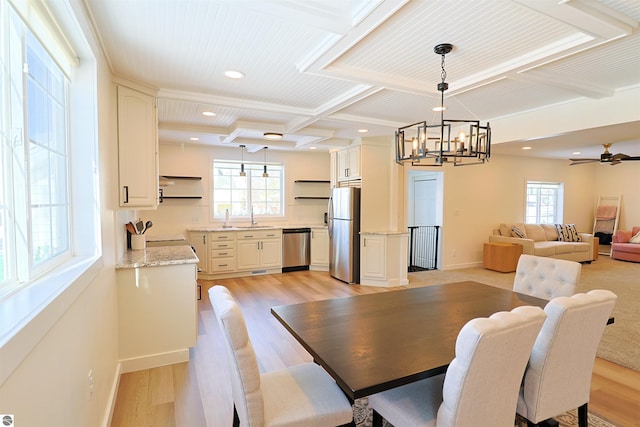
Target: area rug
pixel 363 417
pixel 619 341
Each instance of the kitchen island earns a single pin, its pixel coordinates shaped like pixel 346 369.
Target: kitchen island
pixel 157 306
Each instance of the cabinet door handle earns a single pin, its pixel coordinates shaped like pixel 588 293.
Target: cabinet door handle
pixel 161 191
pixel 364 242
pixel 204 239
pixel 223 253
pixel 126 194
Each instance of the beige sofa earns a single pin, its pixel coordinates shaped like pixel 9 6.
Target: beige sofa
pixel 542 240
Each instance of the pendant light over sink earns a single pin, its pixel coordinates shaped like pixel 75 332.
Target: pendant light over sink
pixel 242 172
pixel 265 174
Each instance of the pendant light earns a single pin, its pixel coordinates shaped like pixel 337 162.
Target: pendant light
pixel 453 141
pixel 242 172
pixel 265 174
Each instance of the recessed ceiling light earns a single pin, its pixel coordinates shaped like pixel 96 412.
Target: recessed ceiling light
pixel 575 153
pixel 526 148
pixel 363 130
pixel 272 135
pixel 439 108
pixel 312 148
pixel 193 138
pixel 208 113
pixel 232 74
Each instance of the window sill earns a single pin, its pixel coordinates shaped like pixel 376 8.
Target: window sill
pixel 28 315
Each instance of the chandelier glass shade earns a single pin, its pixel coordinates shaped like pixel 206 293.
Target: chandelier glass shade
pixel 459 142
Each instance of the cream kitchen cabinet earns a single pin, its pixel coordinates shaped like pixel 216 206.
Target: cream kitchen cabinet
pixel 259 249
pixel 200 243
pixel 383 259
pixel 348 163
pixel 222 252
pixel 157 315
pixel 137 148
pixel 319 249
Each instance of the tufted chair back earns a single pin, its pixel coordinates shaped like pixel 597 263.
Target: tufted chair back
pixel 244 371
pixel 545 277
pixel 558 377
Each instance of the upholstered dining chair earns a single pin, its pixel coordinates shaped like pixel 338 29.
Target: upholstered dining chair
pixel 298 396
pixel 558 376
pixel 480 387
pixel 545 277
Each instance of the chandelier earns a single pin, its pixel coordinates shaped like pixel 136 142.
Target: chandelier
pixel 471 142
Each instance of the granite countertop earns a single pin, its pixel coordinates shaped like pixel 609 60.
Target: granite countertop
pixel 257 227
pixel 385 233
pixel 158 256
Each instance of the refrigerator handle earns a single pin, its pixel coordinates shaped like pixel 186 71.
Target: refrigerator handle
pixel 330 216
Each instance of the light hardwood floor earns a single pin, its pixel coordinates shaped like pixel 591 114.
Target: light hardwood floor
pixel 197 393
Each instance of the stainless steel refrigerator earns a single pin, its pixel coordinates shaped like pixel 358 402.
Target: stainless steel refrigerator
pixel 344 234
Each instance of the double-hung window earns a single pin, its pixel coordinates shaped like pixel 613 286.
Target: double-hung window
pixel 252 193
pixel 34 171
pixel 544 202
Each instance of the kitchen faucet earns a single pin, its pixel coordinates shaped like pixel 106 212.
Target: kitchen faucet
pixel 253 222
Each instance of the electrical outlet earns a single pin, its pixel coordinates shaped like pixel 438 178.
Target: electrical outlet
pixel 90 383
pixel 453 253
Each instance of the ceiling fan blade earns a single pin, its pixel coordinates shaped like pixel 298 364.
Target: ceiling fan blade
pixel 619 156
pixel 582 161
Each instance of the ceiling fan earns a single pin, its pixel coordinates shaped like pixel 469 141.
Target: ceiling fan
pixel 605 157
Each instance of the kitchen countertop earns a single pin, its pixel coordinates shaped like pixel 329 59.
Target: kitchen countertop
pixel 158 256
pixel 257 227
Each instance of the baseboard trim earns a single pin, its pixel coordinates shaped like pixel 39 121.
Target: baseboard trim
pixel 154 360
pixel 113 394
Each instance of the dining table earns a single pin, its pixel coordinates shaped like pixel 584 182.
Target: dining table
pixel 374 342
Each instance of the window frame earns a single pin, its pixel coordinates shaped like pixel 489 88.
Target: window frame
pixel 254 173
pixel 557 207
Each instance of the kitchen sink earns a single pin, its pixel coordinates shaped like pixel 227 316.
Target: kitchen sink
pixel 254 227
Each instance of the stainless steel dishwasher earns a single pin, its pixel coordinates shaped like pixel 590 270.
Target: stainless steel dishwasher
pixel 296 249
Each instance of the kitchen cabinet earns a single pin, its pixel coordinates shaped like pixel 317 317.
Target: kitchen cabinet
pixel 259 249
pixel 348 163
pixel 199 242
pixel 137 148
pixel 222 251
pixel 319 249
pixel 157 315
pixel 383 259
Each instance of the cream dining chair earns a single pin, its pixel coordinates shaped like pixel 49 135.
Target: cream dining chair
pixel 480 387
pixel 546 277
pixel 299 396
pixel 558 376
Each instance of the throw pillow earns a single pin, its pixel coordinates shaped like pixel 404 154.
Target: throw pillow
pixel 568 233
pixel 518 232
pixel 636 238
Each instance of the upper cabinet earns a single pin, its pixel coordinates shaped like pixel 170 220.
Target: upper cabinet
pixel 137 148
pixel 348 161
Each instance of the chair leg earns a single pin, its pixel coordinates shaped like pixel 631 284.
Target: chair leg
pixel 377 419
pixel 583 416
pixel 236 420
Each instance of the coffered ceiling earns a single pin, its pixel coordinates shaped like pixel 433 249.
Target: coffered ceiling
pixel 318 71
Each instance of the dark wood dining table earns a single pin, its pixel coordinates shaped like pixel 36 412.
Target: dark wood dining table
pixel 374 342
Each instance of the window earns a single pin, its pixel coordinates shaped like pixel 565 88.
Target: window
pixel 544 202
pixel 241 194
pixel 34 205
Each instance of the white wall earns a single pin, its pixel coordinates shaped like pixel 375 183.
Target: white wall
pixel 50 385
pixel 176 215
pixel 478 198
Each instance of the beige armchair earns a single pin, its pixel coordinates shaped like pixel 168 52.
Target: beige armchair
pixel 301 395
pixel 480 387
